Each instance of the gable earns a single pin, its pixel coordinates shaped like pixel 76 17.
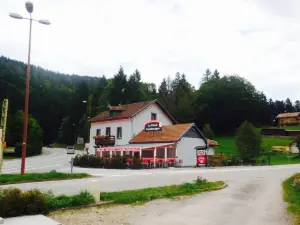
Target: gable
pixel 192 133
pixel 130 110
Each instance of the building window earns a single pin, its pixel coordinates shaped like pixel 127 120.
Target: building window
pixel 107 132
pixel 153 116
pixel 119 132
pixel 98 132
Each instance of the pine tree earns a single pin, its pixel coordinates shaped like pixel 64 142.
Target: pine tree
pixel 208 132
pixel 248 142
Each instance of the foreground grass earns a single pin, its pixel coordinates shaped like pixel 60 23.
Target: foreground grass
pixel 148 194
pixel 36 177
pixel 291 195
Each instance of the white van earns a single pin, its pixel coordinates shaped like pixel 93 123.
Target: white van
pixel 70 150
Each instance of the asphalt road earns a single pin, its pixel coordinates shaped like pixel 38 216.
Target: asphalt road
pixel 253 196
pixel 52 158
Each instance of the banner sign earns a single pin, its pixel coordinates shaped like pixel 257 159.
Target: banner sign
pixel 153 125
pixel 201 157
pixel 118 149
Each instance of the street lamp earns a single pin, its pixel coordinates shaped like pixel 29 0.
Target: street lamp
pixel 89 112
pixel 29 8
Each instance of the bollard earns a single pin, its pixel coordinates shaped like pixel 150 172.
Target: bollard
pixel 72 162
pixel 95 189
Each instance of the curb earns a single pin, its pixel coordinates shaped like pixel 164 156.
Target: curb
pixel 84 206
pixel 215 188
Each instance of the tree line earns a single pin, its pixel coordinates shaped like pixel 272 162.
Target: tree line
pixel 62 103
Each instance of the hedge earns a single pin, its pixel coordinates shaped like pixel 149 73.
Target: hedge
pixel 117 162
pixel 14 202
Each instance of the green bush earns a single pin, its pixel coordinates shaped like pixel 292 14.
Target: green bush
pixel 63 201
pixel 34 202
pixel 11 203
pixel 116 162
pixel 14 202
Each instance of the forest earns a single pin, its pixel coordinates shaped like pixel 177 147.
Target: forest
pixel 60 104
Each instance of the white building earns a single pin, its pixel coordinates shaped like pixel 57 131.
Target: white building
pixel 123 122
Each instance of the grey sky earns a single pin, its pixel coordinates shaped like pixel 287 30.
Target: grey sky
pixel 257 39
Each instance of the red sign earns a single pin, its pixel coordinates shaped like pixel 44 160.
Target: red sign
pixel 152 125
pixel 201 160
pixel 201 157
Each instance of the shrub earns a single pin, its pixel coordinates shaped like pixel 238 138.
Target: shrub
pixel 11 203
pixel 200 180
pixel 34 202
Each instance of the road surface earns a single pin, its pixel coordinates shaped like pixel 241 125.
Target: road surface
pixel 253 196
pixel 51 158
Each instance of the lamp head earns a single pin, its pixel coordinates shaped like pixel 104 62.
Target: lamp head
pixel 16 16
pixel 29 6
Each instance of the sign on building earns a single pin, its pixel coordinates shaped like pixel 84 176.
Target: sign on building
pixel 201 157
pixel 153 125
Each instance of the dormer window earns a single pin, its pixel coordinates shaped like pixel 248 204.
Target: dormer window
pixel 113 114
pixel 114 111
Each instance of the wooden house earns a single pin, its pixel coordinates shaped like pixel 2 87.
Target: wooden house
pixel 288 118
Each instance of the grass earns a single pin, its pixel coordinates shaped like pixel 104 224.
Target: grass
pixel 291 127
pixel 291 195
pixel 227 144
pixel 148 194
pixel 38 177
pixel 63 201
pixel 281 158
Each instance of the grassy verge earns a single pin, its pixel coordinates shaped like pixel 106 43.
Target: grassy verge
pixel 291 195
pixel 36 177
pixel 14 202
pixel 227 144
pixel 148 194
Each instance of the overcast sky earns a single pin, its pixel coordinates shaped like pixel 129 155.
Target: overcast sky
pixel 257 39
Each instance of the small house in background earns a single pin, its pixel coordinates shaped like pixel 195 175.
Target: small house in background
pixel 293 147
pixel 288 118
pixel 212 145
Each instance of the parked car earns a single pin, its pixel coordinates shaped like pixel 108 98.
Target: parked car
pixel 70 150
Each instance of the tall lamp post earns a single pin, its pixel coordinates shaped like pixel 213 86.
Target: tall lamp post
pixel 29 8
pixel 89 112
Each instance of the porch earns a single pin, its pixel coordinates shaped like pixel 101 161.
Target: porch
pixel 150 154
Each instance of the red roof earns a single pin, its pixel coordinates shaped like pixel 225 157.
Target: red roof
pixel 127 111
pixel 171 133
pixel 287 115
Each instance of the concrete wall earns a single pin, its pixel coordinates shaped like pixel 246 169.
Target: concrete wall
pixel 186 150
pixel 141 118
pixel 126 131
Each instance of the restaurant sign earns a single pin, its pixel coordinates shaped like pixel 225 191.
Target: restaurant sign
pixel 153 125
pixel 118 149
